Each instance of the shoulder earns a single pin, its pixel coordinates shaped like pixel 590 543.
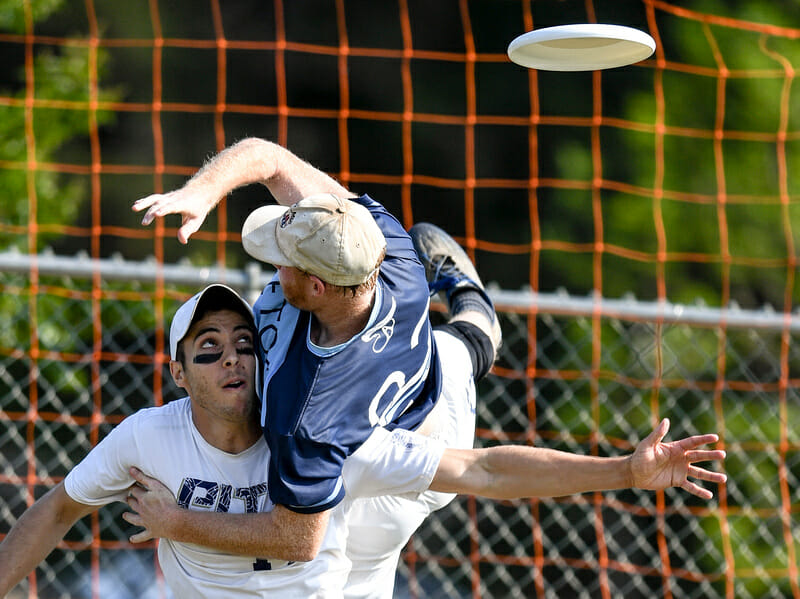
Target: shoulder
pixel 368 202
pixel 388 223
pixel 170 415
pixel 175 409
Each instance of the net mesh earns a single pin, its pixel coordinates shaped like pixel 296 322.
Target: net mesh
pixel 668 180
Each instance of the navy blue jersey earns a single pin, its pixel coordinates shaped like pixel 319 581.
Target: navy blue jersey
pixel 317 406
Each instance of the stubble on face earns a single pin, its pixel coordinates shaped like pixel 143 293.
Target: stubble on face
pixel 224 387
pixel 293 284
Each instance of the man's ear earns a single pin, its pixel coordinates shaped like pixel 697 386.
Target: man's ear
pixel 176 370
pixel 317 285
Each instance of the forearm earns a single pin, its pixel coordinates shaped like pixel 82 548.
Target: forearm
pixel 251 160
pixel 279 534
pixel 36 534
pixel 510 472
pixel 255 160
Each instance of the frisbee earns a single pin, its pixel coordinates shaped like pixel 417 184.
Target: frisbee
pixel 581 47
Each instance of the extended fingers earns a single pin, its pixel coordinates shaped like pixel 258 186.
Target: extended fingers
pixel 157 205
pixel 707 475
pixel 191 207
pixel 657 434
pixel 705 455
pixel 143 203
pixel 696 490
pixel 189 228
pixel 152 203
pixel 701 474
pixel 157 209
pixel 697 440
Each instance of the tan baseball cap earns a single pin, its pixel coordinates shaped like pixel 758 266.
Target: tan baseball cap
pixel 324 235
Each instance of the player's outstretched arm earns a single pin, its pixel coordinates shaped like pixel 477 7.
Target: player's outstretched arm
pixel 279 534
pixel 36 534
pixel 509 472
pixel 251 160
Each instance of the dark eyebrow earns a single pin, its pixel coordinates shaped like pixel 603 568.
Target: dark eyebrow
pixel 238 327
pixel 202 332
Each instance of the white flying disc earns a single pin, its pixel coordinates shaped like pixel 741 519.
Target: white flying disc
pixel 581 47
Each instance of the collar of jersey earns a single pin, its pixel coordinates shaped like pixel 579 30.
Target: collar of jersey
pixel 324 352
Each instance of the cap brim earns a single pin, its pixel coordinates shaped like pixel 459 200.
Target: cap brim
pixel 258 235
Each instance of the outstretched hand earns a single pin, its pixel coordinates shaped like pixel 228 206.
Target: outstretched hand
pixel 192 206
pixel 656 465
pixel 152 504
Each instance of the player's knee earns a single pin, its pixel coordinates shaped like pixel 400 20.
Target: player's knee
pixel 478 343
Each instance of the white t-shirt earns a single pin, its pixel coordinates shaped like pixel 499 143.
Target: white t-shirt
pixel 164 444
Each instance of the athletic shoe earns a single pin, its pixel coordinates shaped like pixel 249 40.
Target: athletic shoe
pixel 448 268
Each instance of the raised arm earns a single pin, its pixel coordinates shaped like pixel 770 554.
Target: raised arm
pixel 509 472
pixel 36 534
pixel 252 160
pixel 279 534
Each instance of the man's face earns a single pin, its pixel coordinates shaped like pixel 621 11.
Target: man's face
pixel 219 367
pixel 295 285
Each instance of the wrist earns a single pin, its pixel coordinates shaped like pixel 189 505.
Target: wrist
pixel 176 523
pixel 630 479
pixel 206 184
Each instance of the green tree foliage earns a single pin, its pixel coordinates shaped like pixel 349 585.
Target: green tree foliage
pixel 40 134
pixel 12 13
pixel 60 75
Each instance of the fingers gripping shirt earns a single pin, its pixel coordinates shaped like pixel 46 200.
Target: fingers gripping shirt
pixel 198 474
pixel 164 443
pixel 318 408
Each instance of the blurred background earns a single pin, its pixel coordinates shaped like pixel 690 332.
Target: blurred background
pixel 637 227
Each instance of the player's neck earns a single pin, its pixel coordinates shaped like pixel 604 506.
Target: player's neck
pixel 230 437
pixel 340 319
pixel 236 441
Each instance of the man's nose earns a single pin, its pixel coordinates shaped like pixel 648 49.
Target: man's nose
pixel 230 356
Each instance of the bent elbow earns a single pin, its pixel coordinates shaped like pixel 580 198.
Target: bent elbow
pixel 305 545
pixel 300 536
pixel 305 556
pixel 305 551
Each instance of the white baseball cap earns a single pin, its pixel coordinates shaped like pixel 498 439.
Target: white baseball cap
pixel 215 297
pixel 324 235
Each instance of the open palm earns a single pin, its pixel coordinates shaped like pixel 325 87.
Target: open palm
pixel 656 465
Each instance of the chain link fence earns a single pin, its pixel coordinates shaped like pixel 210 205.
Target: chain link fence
pixel 82 346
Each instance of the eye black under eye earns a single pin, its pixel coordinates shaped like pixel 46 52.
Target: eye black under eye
pixel 211 358
pixel 207 358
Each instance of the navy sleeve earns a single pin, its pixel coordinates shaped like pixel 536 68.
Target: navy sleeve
pixel 310 481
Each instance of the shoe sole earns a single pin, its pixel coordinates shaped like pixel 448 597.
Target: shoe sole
pixel 429 240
